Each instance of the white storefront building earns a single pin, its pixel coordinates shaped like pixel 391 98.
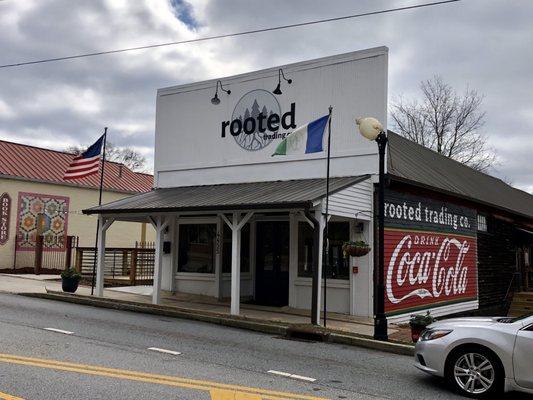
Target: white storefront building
pixel 235 222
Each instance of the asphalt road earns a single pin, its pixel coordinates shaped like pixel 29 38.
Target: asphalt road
pixel 96 360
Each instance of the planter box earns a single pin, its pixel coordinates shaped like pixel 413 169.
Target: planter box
pixel 70 285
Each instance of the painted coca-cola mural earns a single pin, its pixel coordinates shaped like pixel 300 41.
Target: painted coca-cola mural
pixel 430 253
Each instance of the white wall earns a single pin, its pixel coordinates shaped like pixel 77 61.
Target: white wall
pixel 353 202
pixel 189 149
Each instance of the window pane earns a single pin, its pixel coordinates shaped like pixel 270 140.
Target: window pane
pixel 226 248
pixel 481 223
pixel 339 232
pixel 197 248
pixel 305 249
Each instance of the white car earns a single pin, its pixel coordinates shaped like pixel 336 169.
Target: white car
pixel 479 356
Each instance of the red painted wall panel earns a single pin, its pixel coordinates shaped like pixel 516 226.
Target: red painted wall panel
pixel 428 268
pixel 430 253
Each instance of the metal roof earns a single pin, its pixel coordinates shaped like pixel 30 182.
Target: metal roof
pixel 415 163
pixel 20 161
pixel 234 196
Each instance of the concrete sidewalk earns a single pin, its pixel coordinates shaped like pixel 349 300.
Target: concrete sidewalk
pixel 138 298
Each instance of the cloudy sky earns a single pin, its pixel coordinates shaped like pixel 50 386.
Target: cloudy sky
pixel 485 44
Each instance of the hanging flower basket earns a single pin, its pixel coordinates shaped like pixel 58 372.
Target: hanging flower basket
pixel 355 249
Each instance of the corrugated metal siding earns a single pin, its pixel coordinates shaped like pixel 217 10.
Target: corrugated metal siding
pixel 356 199
pixel 34 163
pixel 416 163
pixel 238 195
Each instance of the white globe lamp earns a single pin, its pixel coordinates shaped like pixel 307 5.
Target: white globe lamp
pixel 369 127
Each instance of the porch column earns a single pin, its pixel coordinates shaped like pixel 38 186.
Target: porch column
pixel 235 267
pixel 103 225
pixel 322 223
pixel 293 255
pixel 236 226
pixel 160 224
pixel 168 268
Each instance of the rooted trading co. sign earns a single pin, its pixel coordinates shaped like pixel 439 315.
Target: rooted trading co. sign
pixel 5 209
pixel 430 253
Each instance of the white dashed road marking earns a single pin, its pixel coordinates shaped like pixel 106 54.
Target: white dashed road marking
pixel 292 376
pixel 59 331
pixel 174 353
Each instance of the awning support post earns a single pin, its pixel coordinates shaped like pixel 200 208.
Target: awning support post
pixel 318 222
pixel 236 225
pixel 160 224
pixel 103 225
pixel 235 266
pixel 315 310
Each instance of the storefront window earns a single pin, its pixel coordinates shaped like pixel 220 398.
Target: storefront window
pixel 245 249
pixel 197 248
pixel 339 232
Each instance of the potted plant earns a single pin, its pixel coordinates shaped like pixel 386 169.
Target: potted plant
pixel 70 278
pixel 418 323
pixel 355 249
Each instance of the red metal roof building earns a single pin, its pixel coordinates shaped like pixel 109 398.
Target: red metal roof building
pixel 20 161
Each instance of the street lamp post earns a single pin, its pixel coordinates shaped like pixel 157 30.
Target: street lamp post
pixel 372 129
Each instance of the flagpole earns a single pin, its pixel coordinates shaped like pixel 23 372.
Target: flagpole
pixel 99 204
pixel 326 233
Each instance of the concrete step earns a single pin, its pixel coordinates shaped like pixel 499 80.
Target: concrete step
pixel 523 297
pixel 519 312
pixel 522 304
pixel 526 293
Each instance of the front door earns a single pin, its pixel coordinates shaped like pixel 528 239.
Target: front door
pixel 272 263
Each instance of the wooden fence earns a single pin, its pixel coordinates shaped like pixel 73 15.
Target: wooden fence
pixel 123 265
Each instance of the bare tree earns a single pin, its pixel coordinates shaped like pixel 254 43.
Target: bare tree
pixel 446 122
pixel 124 155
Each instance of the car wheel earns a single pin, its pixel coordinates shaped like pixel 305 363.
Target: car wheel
pixel 475 372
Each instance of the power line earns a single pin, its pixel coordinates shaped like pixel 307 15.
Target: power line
pixel 227 35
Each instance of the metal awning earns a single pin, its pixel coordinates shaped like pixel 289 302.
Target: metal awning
pixel 301 193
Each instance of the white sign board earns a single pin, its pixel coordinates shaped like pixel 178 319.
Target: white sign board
pixel 198 142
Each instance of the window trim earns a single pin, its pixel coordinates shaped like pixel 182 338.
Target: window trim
pixel 329 278
pixel 193 274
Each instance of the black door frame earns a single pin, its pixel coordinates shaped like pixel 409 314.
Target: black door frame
pixel 280 276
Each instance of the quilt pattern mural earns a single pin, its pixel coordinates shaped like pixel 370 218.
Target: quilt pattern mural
pixel 45 214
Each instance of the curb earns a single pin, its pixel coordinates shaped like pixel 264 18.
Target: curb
pixel 366 342
pixel 270 327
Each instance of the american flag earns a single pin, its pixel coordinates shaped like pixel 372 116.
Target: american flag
pixel 87 163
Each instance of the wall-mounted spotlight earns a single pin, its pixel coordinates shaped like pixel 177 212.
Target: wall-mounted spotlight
pixel 215 100
pixel 277 90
